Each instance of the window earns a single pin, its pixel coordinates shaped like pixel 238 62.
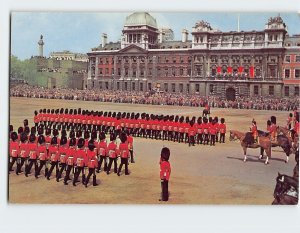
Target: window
pixel 181 71
pixel 149 86
pixel 213 71
pixel 118 86
pixel 141 87
pixel 197 87
pixel 271 90
pixel 272 72
pixel 112 71
pixel 286 91
pixel 296 91
pixel 287 58
pixel 133 86
pixel 166 87
pixel 106 85
pixel 173 87
pixel 255 90
pixel 287 73
pixel 180 87
pixel 297 58
pixel 187 88
pixel 134 73
pixel 150 72
pixel 106 71
pixel 297 73
pixel 126 86
pixel 119 71
pixel 100 85
pixel 257 72
pixel 211 88
pixel 100 71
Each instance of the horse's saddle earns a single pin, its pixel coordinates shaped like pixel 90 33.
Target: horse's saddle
pixel 249 139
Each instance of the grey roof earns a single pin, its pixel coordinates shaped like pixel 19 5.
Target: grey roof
pixel 174 45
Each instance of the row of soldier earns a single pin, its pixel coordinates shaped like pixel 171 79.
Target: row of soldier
pixel 68 153
pixel 165 127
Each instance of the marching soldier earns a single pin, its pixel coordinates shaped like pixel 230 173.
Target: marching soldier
pixel 54 157
pixel 81 161
pixel 92 163
pixel 42 155
pixel 62 156
pixel 14 150
pixel 112 153
pixel 71 158
pixel 213 132
pixel 205 127
pixel 32 147
pixel 102 152
pixel 165 172
pixel 199 131
pixel 124 153
pixel 192 133
pixel 24 152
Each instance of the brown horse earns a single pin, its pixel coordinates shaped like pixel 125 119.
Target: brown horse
pixel 293 138
pixel 263 142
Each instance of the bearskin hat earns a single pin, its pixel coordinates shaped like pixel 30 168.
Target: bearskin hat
pixel 56 111
pixel 14 136
pixel 23 137
pixel 20 130
pixel 32 130
pixel 35 112
pixel 72 142
pixel 71 111
pixel 55 132
pixel 216 119
pixel 165 154
pixel 199 120
pixel 41 139
pixel 91 145
pixel 27 130
pixel 63 133
pixel 273 120
pixel 32 138
pixel 102 136
pixel 52 111
pixel 86 135
pixel 63 140
pixel 112 137
pixel 54 141
pixel 48 131
pixel 41 110
pixel 66 111
pixel 187 119
pixel 210 119
pixel 48 110
pixel 123 137
pixel 105 114
pixel 205 120
pixel 113 114
pixel 44 110
pixel 222 120
pixel 109 114
pixel 78 134
pixel 72 134
pixel 80 143
pixel 75 111
pixel 94 135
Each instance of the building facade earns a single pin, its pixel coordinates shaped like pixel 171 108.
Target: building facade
pixel 212 62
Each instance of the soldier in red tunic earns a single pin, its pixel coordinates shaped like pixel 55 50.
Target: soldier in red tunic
pixel 71 158
pixel 102 152
pixel 130 145
pixel 42 155
pixel 14 150
pixel 54 157
pixel 81 161
pixel 165 172
pixel 213 132
pixel 24 152
pixel 124 153
pixel 62 151
pixel 205 127
pixel 112 151
pixel 92 163
pixel 222 128
pixel 32 147
pixel 192 133
pixel 199 131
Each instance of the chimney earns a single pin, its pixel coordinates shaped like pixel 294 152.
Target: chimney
pixel 104 39
pixel 185 35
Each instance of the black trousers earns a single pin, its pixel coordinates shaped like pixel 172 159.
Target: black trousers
pixel 63 166
pixel 192 140
pixel 212 139
pixel 131 156
pixel 31 162
pixel 67 176
pixel 77 173
pixel 20 165
pixel 53 164
pixel 148 133
pixel 206 139
pixel 200 138
pixel 42 163
pixel 91 172
pixel 111 160
pixel 165 135
pixel 175 138
pixel 125 162
pixel 181 137
pixel 102 158
pixel 222 137
pixel 12 162
pixel 164 190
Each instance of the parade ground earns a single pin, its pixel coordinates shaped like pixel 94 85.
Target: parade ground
pixel 200 174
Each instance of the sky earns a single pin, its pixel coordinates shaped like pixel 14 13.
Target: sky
pixel 79 31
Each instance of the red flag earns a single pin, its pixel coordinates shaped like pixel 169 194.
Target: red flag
pixel 241 69
pixel 229 69
pixel 219 69
pixel 251 72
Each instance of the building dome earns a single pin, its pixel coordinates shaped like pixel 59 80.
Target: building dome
pixel 140 18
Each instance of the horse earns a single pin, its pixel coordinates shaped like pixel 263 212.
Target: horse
pixel 263 142
pixel 286 190
pixel 283 142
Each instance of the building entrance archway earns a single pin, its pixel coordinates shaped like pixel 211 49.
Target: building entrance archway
pixel 230 94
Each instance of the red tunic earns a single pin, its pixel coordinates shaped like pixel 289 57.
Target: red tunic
pixel 71 156
pixel 24 150
pixel 92 159
pixel 165 170
pixel 53 153
pixel 32 147
pixel 112 150
pixel 123 150
pixel 102 148
pixel 42 152
pixel 199 128
pixel 213 129
pixel 130 142
pixel 192 131
pixel 63 154
pixel 222 128
pixel 81 159
pixel 14 149
pixel 205 127
pixel 36 119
